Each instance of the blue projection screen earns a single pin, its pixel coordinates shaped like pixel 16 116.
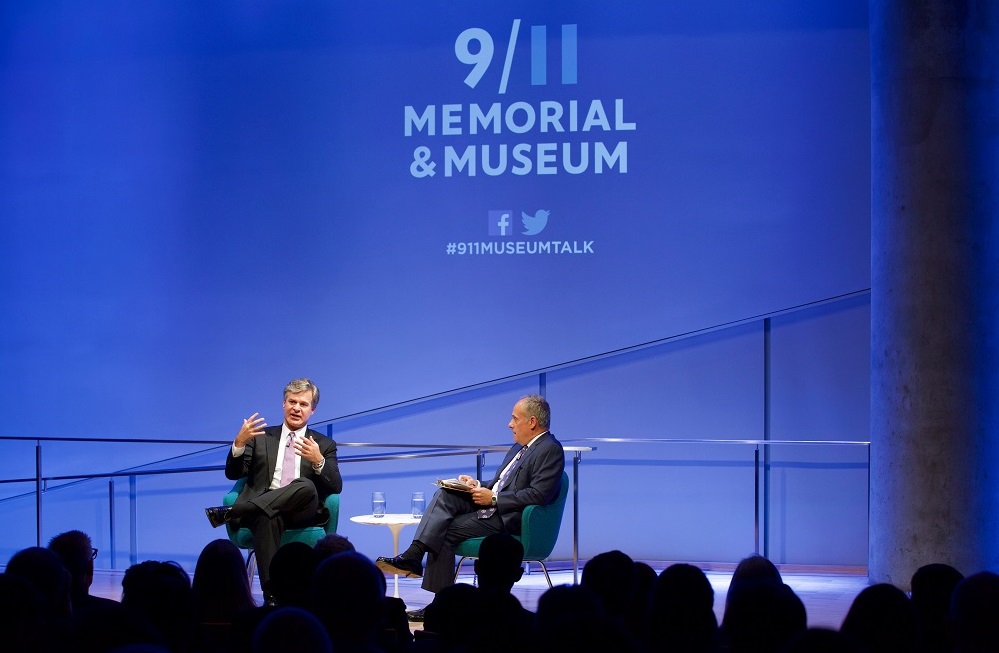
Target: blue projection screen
pixel 402 198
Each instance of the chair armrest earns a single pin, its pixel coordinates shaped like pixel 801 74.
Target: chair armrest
pixel 231 496
pixel 333 505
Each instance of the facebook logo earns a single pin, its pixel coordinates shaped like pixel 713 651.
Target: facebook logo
pixel 501 223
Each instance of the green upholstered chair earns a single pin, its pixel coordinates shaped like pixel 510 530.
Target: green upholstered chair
pixel 539 528
pixel 243 538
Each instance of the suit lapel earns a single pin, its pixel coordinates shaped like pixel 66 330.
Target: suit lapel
pixel 272 441
pixel 522 465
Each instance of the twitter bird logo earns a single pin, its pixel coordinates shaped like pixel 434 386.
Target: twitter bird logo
pixel 534 224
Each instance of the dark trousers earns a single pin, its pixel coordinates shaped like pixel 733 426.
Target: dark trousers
pixel 269 514
pixel 450 518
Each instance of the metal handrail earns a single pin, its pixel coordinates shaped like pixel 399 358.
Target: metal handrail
pixel 423 450
pixel 717 441
pixel 756 444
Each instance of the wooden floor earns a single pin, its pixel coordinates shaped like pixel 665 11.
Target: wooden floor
pixel 827 596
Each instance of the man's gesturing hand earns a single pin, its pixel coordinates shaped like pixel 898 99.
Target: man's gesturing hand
pixel 252 427
pixel 309 449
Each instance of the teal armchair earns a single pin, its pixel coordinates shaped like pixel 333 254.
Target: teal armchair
pixel 539 528
pixel 243 538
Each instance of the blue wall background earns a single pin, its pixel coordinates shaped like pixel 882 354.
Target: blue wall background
pixel 201 202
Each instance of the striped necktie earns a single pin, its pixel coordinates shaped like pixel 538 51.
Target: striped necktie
pixel 485 513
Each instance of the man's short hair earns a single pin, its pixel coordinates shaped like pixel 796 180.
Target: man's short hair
pixel 301 385
pixel 75 549
pixel 537 406
pixel 332 544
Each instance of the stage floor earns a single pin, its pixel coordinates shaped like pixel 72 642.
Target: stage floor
pixel 827 596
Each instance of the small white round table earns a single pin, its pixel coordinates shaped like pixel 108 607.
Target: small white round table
pixel 395 523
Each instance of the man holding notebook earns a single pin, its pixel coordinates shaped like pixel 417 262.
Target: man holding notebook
pixel 529 474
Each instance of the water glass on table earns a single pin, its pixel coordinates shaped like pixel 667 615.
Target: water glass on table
pixel 377 504
pixel 419 504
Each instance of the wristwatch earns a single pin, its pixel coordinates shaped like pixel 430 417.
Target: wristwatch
pixel 494 499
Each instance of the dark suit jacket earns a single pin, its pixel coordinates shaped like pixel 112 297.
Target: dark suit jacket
pixel 260 457
pixel 535 481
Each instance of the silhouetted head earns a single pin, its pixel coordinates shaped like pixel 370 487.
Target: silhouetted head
pixel 291 574
pixel 220 582
pixel 821 640
pixel 974 612
pixel 762 616
pixel 756 567
pixel 881 618
pixel 76 551
pixel 572 618
pixel 455 614
pixel 45 572
pixel 681 611
pixel 161 592
pixel 332 544
pixel 21 613
pixel 348 593
pixel 932 587
pixel 291 630
pixel 611 576
pixel 500 562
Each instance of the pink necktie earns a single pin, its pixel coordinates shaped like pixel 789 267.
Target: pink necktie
pixel 288 466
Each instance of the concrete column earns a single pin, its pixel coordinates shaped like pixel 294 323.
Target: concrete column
pixel 935 280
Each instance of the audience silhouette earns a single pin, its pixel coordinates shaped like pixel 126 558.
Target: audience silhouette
pixel 611 576
pixel 932 586
pixel 332 544
pixel 572 618
pixel 821 640
pixel 452 620
pixel 45 572
pixel 681 612
pixel 881 619
pixel 76 551
pixel 637 614
pixel 348 596
pixel 160 593
pixel 22 616
pixel 762 615
pixel 222 594
pixel 974 614
pixel 498 568
pixel 332 598
pixel 458 608
pixel 291 630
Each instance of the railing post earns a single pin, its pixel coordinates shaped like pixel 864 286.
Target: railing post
pixel 38 493
pixel 132 555
pixel 111 519
pixel 575 516
pixel 756 500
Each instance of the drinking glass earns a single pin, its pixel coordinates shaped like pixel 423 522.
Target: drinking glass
pixel 419 504
pixel 378 504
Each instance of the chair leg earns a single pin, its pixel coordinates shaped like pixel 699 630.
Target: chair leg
pixel 457 568
pixel 545 569
pixel 251 565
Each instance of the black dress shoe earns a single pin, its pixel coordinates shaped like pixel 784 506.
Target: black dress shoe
pixel 218 515
pixel 401 566
pixel 415 615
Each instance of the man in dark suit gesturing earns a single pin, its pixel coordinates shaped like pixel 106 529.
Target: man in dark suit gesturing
pixel 289 469
pixel 529 474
